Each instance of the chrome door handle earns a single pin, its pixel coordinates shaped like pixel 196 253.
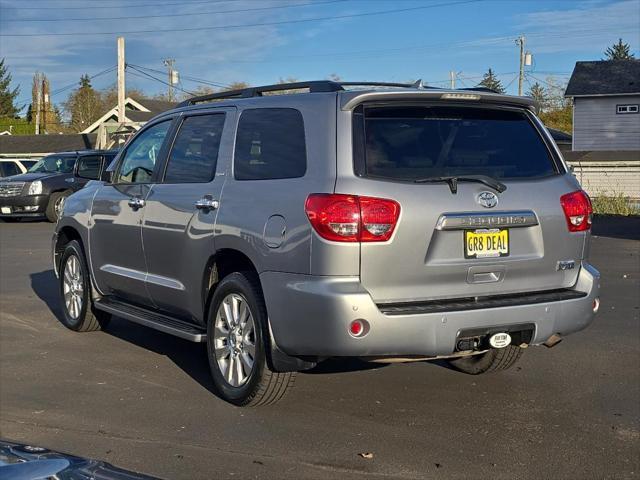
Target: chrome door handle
pixel 207 203
pixel 136 202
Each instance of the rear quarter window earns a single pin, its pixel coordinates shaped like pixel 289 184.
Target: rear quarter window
pixel 270 144
pixel 413 142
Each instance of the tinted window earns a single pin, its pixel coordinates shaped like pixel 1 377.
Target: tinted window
pixel 55 164
pixel 89 167
pixel 28 163
pixel 407 143
pixel 9 168
pixel 195 151
pixel 270 144
pixel 141 154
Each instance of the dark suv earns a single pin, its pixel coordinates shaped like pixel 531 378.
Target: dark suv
pixel 391 223
pixel 42 190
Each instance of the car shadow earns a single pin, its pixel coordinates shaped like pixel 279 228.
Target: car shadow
pixel 190 357
pixel 617 226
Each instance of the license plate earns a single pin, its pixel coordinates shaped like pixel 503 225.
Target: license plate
pixel 486 243
pixel 6 210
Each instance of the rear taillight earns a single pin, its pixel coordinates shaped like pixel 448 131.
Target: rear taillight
pixel 350 218
pixel 577 210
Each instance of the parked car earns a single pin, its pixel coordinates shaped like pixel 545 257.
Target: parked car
pixel 42 190
pixel 27 462
pixel 390 223
pixel 14 166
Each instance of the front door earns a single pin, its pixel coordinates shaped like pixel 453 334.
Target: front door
pixel 181 210
pixel 115 238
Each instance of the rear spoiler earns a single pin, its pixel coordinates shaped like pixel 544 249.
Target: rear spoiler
pixel 351 99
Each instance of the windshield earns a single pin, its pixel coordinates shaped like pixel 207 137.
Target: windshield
pixel 54 164
pixel 417 142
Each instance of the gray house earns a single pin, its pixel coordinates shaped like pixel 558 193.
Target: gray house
pixel 606 105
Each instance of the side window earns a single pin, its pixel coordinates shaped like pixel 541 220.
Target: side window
pixel 8 169
pixel 270 144
pixel 140 158
pixel 194 153
pixel 89 167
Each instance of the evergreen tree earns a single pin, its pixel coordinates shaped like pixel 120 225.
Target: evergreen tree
pixel 7 96
pixel 619 51
pixel 490 80
pixel 539 94
pixel 84 105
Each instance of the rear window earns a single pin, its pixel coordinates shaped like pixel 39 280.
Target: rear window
pixel 413 142
pixel 270 144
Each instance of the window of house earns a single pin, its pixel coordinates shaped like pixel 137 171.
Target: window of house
pixel 194 153
pixel 626 108
pixel 270 144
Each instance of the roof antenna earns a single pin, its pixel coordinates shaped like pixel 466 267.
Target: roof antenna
pixel 418 84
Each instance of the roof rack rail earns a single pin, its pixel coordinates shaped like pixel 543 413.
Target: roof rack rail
pixel 317 86
pixel 480 89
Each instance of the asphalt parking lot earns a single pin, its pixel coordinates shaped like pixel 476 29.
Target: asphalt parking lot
pixel 142 400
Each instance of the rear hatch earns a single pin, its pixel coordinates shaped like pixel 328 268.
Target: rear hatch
pixel 462 238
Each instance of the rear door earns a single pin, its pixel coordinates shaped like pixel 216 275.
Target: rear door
pixel 471 241
pixel 181 210
pixel 115 234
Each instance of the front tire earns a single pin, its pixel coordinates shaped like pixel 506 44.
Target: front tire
pixel 55 206
pixel 78 313
pixel 236 344
pixel 494 360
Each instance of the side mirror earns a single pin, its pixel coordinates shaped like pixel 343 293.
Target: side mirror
pixel 107 176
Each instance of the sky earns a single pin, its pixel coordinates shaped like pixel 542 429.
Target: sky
pixel 262 41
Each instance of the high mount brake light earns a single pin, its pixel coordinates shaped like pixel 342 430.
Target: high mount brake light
pixel 577 210
pixel 351 218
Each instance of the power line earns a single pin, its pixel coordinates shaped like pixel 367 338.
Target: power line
pixel 124 5
pixel 246 25
pixel 131 17
pixel 182 75
pixel 158 80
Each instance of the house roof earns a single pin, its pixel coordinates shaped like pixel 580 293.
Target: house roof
pixel 605 77
pixel 141 110
pixel 41 144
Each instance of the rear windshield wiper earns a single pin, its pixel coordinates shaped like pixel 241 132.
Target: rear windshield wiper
pixel 453 180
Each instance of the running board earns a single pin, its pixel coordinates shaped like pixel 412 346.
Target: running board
pixel 152 319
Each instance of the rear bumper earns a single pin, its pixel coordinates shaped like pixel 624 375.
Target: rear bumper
pixel 24 205
pixel 310 315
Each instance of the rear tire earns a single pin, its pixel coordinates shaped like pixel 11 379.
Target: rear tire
pixel 78 313
pixel 494 360
pixel 55 205
pixel 237 341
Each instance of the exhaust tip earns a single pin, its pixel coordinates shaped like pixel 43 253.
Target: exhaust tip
pixel 596 304
pixel 553 340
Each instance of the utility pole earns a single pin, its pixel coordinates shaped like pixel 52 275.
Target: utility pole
pixel 121 84
pixel 452 78
pixel 38 102
pixel 168 62
pixel 520 41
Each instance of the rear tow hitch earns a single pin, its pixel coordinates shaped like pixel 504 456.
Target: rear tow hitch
pixel 553 340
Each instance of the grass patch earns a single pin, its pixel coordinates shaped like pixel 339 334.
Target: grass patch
pixel 616 204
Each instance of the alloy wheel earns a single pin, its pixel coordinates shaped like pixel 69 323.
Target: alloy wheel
pixel 234 340
pixel 73 287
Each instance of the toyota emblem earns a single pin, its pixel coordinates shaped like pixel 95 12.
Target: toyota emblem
pixel 487 199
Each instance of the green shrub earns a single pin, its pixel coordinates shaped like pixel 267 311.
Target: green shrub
pixel 616 204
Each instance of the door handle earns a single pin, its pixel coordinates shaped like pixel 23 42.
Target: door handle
pixel 207 203
pixel 136 203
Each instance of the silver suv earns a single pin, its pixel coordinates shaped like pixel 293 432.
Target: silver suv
pixel 286 224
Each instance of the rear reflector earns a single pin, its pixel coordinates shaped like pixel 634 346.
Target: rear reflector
pixel 577 210
pixel 350 218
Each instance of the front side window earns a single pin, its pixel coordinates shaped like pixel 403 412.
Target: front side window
pixel 418 142
pixel 194 153
pixel 89 167
pixel 270 144
pixel 54 164
pixel 142 153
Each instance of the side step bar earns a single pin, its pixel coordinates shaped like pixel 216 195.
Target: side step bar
pixel 152 319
